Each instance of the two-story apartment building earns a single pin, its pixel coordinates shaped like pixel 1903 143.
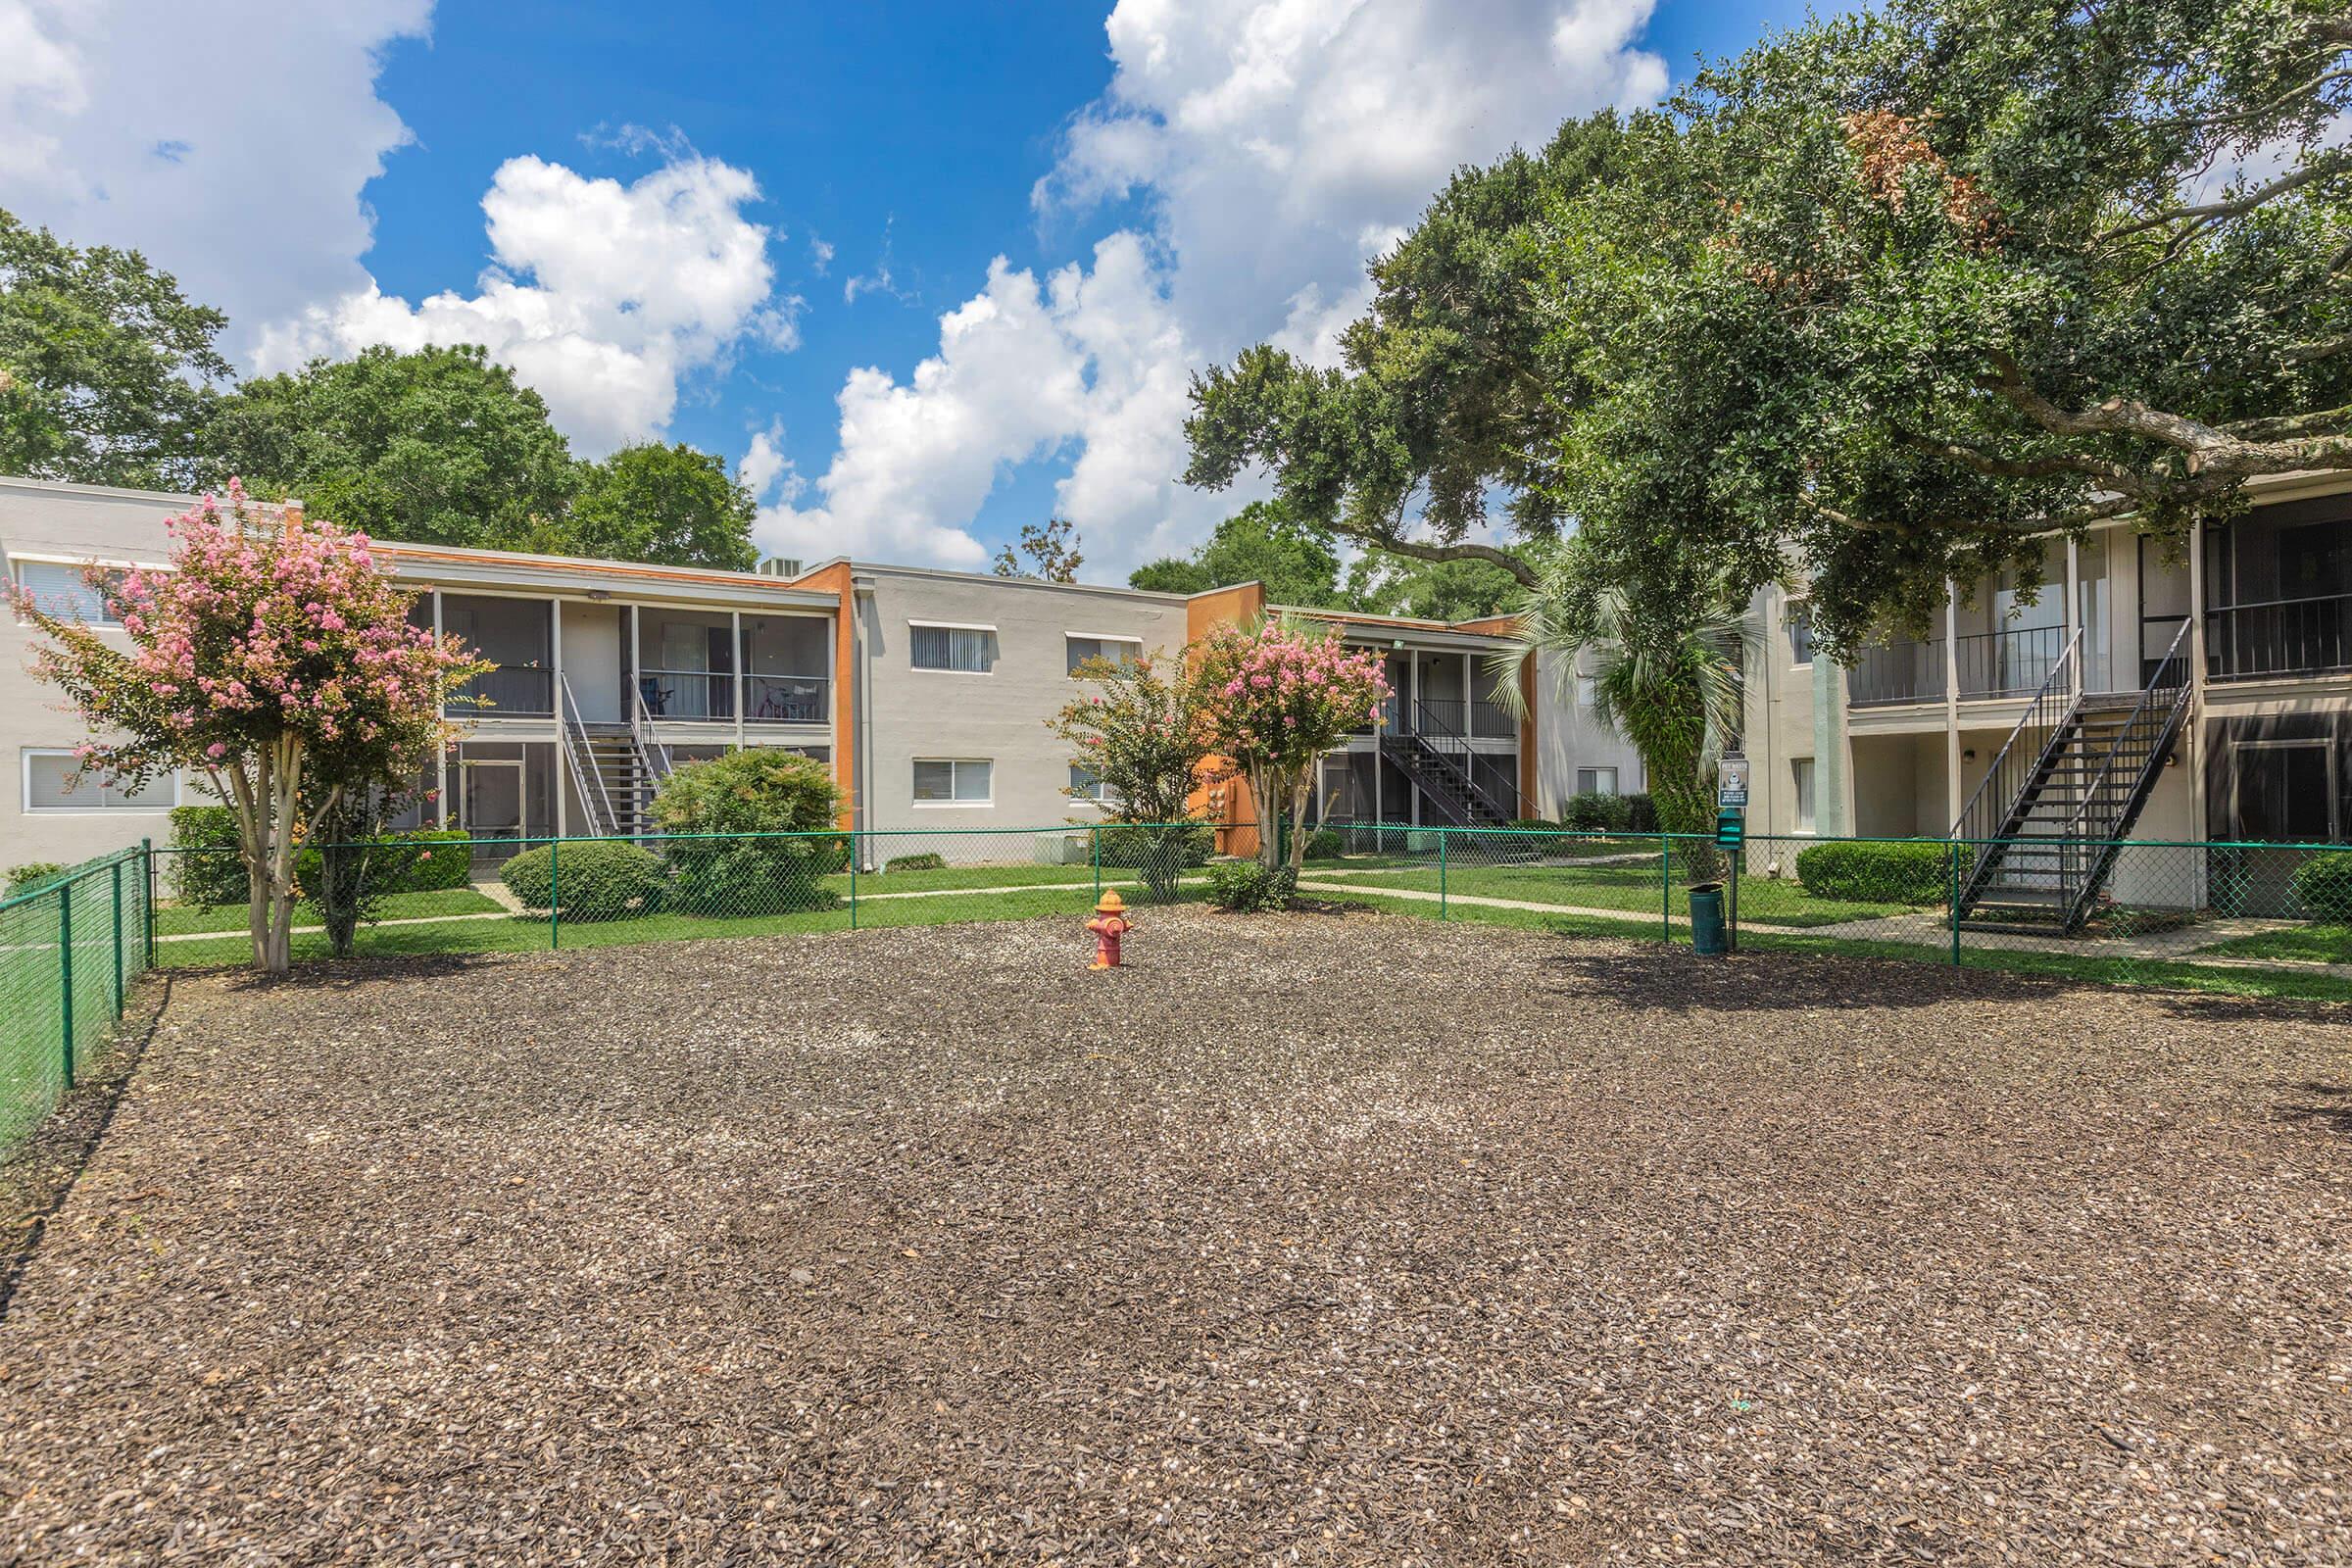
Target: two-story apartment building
pixel 927 692
pixel 2202 693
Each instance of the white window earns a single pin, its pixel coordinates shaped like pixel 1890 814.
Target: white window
pixel 1086 785
pixel 1802 770
pixel 1584 691
pixel 1081 647
pixel 48 773
pixel 951 781
pixel 1800 634
pixel 1596 781
pixel 967 650
pixel 59 590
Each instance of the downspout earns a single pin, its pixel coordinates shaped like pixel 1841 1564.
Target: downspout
pixel 861 592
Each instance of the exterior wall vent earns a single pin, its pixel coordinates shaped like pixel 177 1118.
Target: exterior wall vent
pixel 780 567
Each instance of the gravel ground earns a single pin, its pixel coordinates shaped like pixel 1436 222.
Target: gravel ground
pixel 1321 1239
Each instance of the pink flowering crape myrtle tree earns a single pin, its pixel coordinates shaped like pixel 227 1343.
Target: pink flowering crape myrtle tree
pixel 277 662
pixel 1277 697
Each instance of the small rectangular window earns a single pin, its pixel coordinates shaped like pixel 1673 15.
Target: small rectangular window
pixel 1800 634
pixel 1596 781
pixel 951 781
pixel 1086 785
pixel 61 591
pixel 969 650
pixel 1802 770
pixel 1117 650
pixel 50 786
pixel 1584 691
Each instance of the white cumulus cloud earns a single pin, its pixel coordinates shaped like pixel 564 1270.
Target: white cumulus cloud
pixel 228 141
pixel 1278 145
pixel 602 296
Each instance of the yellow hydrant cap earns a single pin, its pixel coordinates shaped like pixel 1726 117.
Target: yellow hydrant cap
pixel 1110 905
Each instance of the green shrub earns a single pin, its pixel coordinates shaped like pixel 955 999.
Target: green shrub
pixel 1249 888
pixel 1133 844
pixel 1326 844
pixel 917 862
pixel 29 876
pixel 1158 852
pixel 2323 885
pixel 210 870
pixel 1877 874
pixel 1641 812
pixel 760 790
pixel 207 868
pixel 592 879
pixel 1591 812
pixel 1534 824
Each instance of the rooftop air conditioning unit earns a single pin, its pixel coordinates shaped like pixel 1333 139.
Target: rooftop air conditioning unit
pixel 780 567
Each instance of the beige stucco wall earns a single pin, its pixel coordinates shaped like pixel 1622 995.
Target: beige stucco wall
pixel 999 716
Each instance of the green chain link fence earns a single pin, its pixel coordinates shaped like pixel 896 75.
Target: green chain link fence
pixel 70 948
pixel 2258 918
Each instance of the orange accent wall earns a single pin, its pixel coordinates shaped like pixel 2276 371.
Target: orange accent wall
pixel 1529 806
pixel 835 580
pixel 1237 823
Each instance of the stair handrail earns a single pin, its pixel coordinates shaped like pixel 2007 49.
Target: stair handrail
pixel 655 756
pixel 1424 721
pixel 2173 655
pixel 584 775
pixel 2040 704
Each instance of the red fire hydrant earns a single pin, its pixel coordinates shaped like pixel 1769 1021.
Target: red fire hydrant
pixel 1109 923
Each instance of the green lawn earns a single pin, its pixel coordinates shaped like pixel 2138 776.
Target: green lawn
pixel 1617 887
pixel 520 933
pixel 952 877
pixel 2281 984
pixel 178 920
pixel 2318 943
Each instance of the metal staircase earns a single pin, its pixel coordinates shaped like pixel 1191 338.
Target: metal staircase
pixel 615 769
pixel 1437 757
pixel 2068 784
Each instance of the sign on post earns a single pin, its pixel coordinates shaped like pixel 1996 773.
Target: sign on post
pixel 1730 782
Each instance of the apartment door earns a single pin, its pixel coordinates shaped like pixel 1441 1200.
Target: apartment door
pixel 490 799
pixel 2286 792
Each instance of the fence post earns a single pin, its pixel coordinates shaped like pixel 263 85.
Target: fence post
pixel 1952 906
pixel 555 895
pixel 1444 835
pixel 857 853
pixel 147 904
pixel 1665 889
pixel 1094 836
pixel 65 960
pixel 115 870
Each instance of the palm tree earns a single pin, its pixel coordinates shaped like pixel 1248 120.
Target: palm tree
pixel 1665 664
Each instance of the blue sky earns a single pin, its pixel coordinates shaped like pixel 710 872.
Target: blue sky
pixel 769 230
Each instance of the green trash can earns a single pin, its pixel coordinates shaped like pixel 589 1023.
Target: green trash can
pixel 1707 934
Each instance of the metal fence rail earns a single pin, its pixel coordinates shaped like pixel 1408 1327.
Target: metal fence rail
pixel 69 950
pixel 2261 918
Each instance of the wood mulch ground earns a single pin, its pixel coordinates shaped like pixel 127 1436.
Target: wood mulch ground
pixel 1328 1239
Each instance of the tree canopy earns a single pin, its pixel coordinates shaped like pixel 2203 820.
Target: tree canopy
pixel 1052 551
pixel 439 446
pixel 1883 302
pixel 670 505
pixel 106 370
pixel 1300 564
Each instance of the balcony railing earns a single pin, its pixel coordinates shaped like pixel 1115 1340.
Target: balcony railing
pixel 2009 663
pixel 2278 637
pixel 1893 673
pixel 709 695
pixel 786 699
pixel 512 691
pixel 1487 720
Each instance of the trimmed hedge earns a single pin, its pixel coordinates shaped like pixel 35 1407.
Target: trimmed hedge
pixel 596 879
pixel 1133 844
pixel 760 790
pixel 1326 844
pixel 2323 885
pixel 1249 888
pixel 216 875
pixel 1591 812
pixel 916 863
pixel 1877 873
pixel 29 876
